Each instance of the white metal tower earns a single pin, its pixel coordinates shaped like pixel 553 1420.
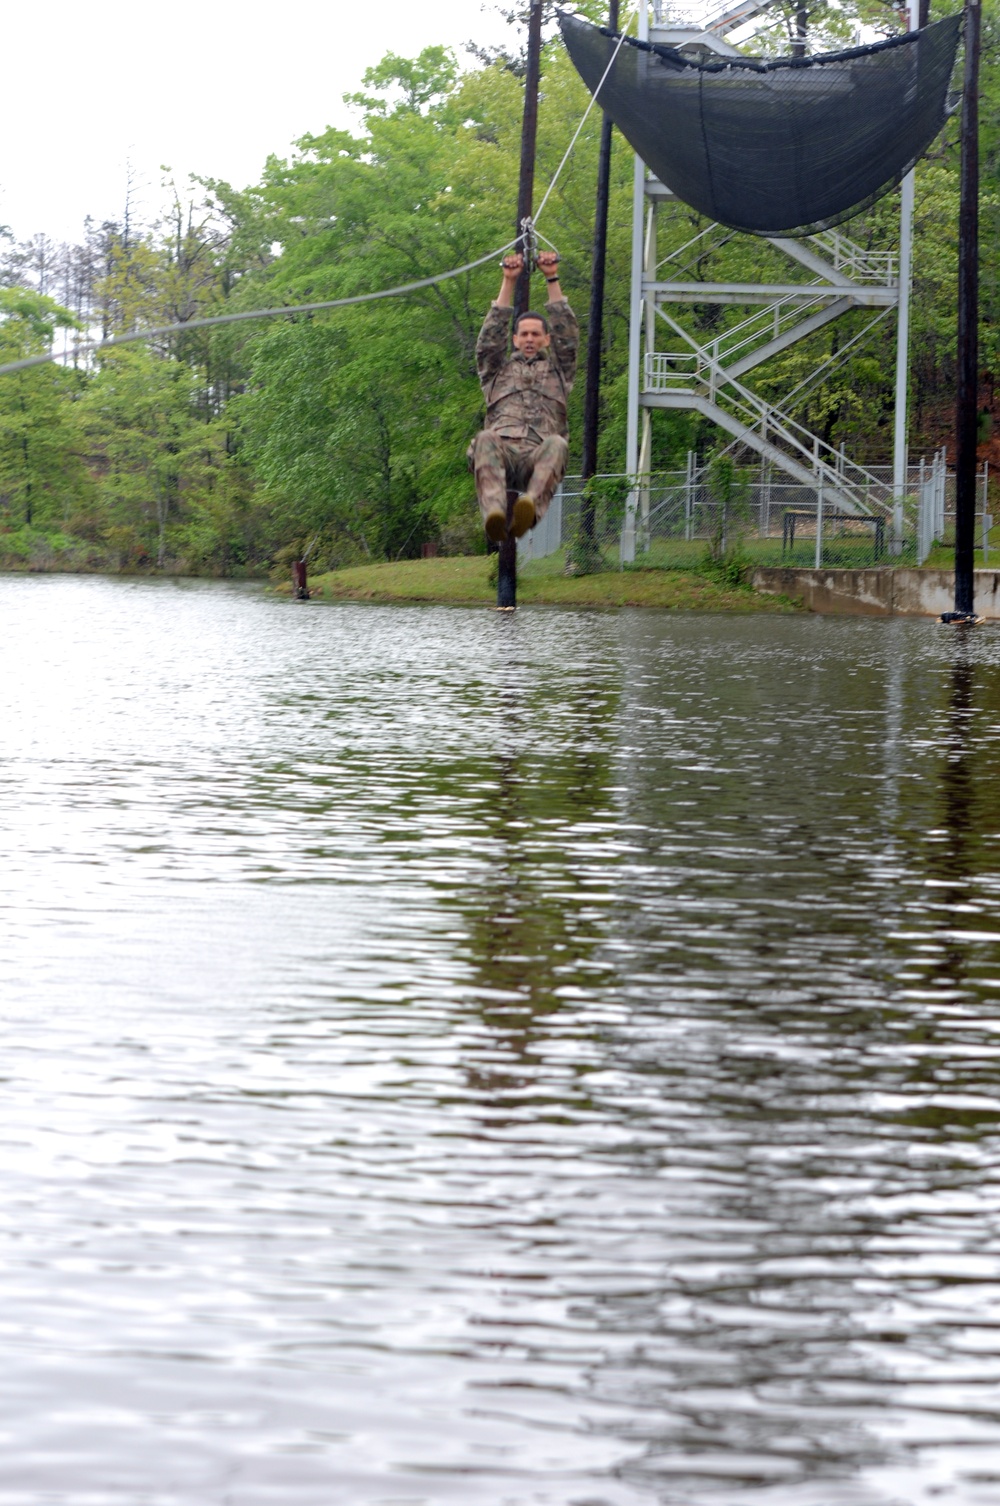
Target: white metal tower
pixel 671 368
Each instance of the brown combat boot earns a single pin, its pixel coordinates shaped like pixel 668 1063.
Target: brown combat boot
pixel 496 525
pixel 524 516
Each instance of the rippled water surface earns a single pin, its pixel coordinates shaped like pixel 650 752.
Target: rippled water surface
pixel 457 1059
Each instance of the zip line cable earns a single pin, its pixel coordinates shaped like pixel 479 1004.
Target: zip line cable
pixel 583 121
pixel 528 238
pixel 94 346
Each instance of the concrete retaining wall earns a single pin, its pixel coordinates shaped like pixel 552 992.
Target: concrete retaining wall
pixel 879 593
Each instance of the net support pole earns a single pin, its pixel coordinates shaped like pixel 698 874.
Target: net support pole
pixel 967 384
pixel 592 393
pixel 905 277
pixel 507 561
pixel 899 437
pixel 529 136
pixel 635 332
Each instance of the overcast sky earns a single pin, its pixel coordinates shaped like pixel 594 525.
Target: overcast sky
pixel 200 86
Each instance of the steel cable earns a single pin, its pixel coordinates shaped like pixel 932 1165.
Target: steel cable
pixel 93 347
pixel 527 237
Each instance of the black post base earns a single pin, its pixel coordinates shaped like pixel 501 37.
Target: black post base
pixel 507 564
pixel 961 619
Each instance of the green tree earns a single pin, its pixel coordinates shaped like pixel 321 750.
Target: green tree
pixel 41 472
pixel 158 462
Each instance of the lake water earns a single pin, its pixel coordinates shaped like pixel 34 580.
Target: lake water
pixel 452 1058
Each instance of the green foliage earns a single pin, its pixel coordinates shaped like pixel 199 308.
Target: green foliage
pixel 40 467
pixel 733 569
pixel 729 490
pixel 419 81
pixel 159 462
pixel 602 512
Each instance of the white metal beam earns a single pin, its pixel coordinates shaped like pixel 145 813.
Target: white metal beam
pixel 768 292
pixel 737 14
pixel 801 252
pixel 635 329
pixel 694 36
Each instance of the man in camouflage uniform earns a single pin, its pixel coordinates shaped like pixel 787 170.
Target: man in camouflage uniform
pixel 523 445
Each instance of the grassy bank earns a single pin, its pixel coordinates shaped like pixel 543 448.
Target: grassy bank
pixel 466 580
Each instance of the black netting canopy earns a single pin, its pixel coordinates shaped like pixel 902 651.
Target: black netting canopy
pixel 784 147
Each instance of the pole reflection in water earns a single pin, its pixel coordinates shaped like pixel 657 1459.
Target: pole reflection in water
pixel 962 847
pixel 957 856
pixel 956 845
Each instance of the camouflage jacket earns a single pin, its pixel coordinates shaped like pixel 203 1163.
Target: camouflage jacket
pixel 526 399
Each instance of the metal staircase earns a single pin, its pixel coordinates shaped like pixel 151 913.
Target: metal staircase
pixel 707 377
pixel 673 368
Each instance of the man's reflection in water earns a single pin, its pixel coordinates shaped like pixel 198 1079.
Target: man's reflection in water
pixel 536 922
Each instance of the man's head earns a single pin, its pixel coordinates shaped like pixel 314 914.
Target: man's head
pixel 531 334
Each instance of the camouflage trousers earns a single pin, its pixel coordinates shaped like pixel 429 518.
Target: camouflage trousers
pixel 535 470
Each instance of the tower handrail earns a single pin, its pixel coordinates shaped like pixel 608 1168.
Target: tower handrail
pixel 863 266
pixel 862 488
pixel 770 321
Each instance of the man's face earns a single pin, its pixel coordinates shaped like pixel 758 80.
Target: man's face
pixel 531 337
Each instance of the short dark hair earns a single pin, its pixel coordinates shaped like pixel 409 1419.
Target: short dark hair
pixel 528 314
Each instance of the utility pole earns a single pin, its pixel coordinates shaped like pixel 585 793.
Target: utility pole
pixel 529 135
pixel 507 560
pixel 900 427
pixel 967 384
pixel 592 392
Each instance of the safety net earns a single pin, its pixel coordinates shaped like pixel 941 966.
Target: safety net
pixel 778 147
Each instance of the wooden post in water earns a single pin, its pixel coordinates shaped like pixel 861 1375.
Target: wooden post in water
pixel 967 384
pixel 300 586
pixel 592 393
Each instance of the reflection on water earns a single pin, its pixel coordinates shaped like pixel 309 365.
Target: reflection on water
pixel 458 1059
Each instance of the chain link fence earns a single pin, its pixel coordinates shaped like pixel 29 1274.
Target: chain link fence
pixel 751 515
